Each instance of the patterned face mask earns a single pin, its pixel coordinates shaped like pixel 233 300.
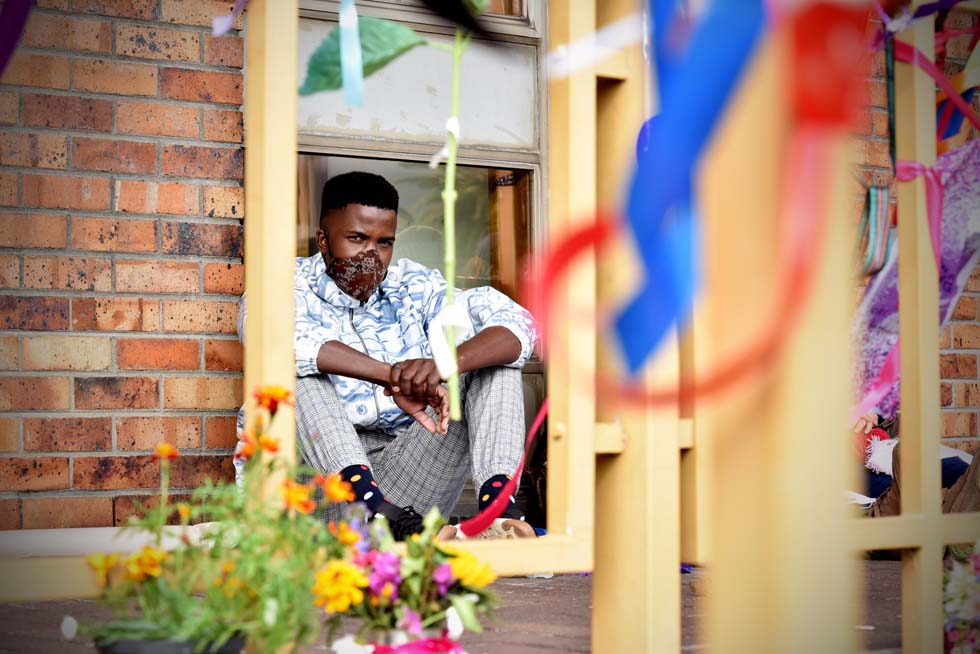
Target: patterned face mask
pixel 358 275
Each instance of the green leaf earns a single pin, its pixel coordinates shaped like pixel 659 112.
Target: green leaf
pixel 464 607
pixel 381 42
pixel 476 7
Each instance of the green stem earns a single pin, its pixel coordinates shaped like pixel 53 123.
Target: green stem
pixel 164 491
pixel 449 212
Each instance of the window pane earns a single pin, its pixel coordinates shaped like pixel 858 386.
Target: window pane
pixel 506 7
pixel 492 215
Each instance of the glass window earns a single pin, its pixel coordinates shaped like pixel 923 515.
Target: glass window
pixel 492 215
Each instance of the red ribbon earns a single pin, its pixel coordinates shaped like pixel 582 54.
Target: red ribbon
pixel 441 645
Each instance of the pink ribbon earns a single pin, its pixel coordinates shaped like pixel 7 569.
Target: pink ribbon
pixel 220 25
pixel 906 171
pixel 911 55
pixel 441 645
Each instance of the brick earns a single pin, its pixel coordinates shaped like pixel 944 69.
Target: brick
pixel 101 76
pixel 33 150
pixel 9 271
pixel 879 124
pixel 945 395
pixel 53 4
pixel 223 355
pixel 157 276
pixel 966 308
pixel 51 192
pixel 128 506
pixel 957 366
pixel 67 434
pixel 874 153
pixel 224 201
pixel 971 446
pixel 202 161
pixel 8 189
pixel 158 354
pixel 959 423
pixel 143 9
pixel 178 198
pixel 224 51
pixel 195 316
pixel 67 33
pixel 33 313
pixel 223 125
pixel 226 278
pixel 9 108
pixel 966 395
pixel 878 94
pixel 196 12
pixel 156 119
pixel 113 156
pixel 115 472
pixel 67 353
pixel 67 512
pixel 9 358
pixel 946 338
pixel 34 393
pixel 9 434
pixel 192 471
pixel 879 64
pixel 9 515
pixel 966 336
pixel 116 393
pixel 202 392
pixel 220 432
pixel 143 433
pixel 33 474
pixel 79 274
pixel 201 85
pixel 153 42
pixel 973 283
pixel 150 197
pixel 202 239
pixel 19 230
pixel 67 112
pixel 47 71
pixel 115 314
pixel 108 235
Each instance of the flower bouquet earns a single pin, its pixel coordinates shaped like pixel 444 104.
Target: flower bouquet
pixel 961 604
pixel 245 575
pixel 413 597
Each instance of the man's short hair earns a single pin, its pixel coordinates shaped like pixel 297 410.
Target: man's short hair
pixel 358 188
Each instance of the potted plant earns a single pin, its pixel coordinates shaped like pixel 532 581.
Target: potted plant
pixel 408 597
pixel 247 575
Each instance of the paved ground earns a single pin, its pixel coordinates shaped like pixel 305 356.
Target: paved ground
pixel 536 615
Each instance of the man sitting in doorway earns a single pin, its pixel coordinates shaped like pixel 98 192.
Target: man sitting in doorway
pixel 370 403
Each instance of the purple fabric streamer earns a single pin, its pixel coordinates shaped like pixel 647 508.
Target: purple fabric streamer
pixel 13 19
pixel 221 24
pixel 876 324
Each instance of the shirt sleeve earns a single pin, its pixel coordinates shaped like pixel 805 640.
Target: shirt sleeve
pixel 487 307
pixel 314 327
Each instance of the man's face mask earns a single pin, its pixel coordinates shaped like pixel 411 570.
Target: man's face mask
pixel 358 275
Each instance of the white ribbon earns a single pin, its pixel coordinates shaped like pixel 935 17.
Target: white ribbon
pixel 590 50
pixel 452 127
pixel 456 316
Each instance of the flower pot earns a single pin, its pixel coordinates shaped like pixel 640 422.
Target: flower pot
pixel 234 645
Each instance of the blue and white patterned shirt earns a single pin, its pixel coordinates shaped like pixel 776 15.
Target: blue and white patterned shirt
pixel 391 327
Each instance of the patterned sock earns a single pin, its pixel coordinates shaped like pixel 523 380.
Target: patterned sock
pixel 365 488
pixel 489 491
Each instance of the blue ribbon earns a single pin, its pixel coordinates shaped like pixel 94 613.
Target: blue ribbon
pixel 695 85
pixel 956 121
pixel 351 64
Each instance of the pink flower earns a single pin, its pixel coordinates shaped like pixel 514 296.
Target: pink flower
pixel 443 576
pixel 411 622
pixel 386 575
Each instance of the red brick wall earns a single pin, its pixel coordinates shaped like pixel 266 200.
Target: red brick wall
pixel 960 340
pixel 120 256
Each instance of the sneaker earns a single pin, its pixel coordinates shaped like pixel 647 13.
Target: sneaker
pixel 402 522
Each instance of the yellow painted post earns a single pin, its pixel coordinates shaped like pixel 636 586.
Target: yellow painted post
pixel 918 297
pixel 271 41
pixel 780 577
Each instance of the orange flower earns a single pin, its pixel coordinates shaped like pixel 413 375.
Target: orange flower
pixel 335 489
pixel 145 563
pixel 184 511
pixel 165 451
pixel 269 397
pixel 101 564
pixel 297 496
pixel 248 446
pixel 343 532
pixel 269 443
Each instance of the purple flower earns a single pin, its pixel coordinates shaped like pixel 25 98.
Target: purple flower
pixel 411 622
pixel 443 576
pixel 386 575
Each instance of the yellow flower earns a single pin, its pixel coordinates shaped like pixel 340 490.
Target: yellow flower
pixel 297 496
pixel 269 397
pixel 145 564
pixel 344 533
pixel 165 451
pixel 335 489
pixel 184 511
pixel 101 564
pixel 470 570
pixel 338 586
pixel 227 567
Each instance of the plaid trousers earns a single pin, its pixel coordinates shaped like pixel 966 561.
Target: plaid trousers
pixel 415 467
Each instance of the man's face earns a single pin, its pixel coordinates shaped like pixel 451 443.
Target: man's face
pixel 357 228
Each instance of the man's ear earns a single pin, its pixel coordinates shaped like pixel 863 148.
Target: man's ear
pixel 322 242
